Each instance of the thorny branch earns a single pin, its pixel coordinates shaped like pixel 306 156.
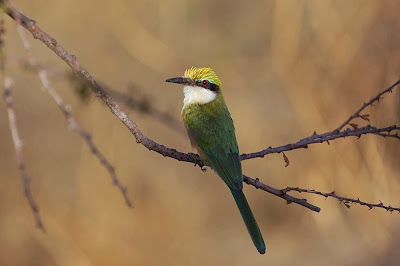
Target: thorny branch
pixel 277 192
pixel 326 137
pixel 345 200
pixel 194 158
pixel 370 103
pixel 104 96
pixel 72 123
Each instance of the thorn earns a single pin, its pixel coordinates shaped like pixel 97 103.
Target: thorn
pixel 286 159
pixel 364 117
pixel 354 126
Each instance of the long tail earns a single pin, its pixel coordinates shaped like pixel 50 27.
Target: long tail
pixel 249 220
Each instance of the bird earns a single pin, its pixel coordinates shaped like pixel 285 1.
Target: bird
pixel 211 131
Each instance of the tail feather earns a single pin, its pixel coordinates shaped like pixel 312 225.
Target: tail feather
pixel 249 220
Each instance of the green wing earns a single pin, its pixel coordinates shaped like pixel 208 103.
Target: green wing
pixel 214 134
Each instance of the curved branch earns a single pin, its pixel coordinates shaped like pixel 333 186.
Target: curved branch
pixel 72 122
pixel 77 68
pixel 117 110
pixel 370 103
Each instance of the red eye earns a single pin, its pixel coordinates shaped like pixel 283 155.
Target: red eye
pixel 204 82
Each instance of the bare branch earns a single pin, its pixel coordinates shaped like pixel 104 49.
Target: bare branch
pixel 277 192
pixel 344 200
pixel 15 136
pixel 326 137
pixel 72 123
pixel 370 103
pixel 18 152
pixel 143 105
pixel 190 157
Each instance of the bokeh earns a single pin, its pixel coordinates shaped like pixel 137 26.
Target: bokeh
pixel 288 68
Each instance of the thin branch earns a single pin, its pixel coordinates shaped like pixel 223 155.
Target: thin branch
pixel 108 100
pixel 15 135
pixel 143 105
pixel 172 153
pixel 344 200
pixel 277 192
pixel 326 137
pixel 72 123
pixel 78 69
pixel 370 103
pixel 18 152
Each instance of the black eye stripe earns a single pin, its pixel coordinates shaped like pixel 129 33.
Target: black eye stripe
pixel 209 86
pixel 212 87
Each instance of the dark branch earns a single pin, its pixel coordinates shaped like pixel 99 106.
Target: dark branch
pixel 277 192
pixel 370 103
pixel 190 157
pixel 345 200
pixel 325 137
pixel 107 99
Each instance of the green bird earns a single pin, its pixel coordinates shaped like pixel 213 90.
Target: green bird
pixel 211 132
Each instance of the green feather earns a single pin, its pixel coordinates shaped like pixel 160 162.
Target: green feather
pixel 249 220
pixel 211 127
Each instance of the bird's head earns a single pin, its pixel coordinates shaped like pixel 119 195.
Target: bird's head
pixel 200 85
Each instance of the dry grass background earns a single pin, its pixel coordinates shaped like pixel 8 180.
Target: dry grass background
pixel 288 68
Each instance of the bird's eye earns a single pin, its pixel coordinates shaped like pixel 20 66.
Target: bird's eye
pixel 204 82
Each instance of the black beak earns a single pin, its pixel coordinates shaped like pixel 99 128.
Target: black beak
pixel 180 80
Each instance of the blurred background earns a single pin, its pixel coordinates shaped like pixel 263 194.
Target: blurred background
pixel 288 68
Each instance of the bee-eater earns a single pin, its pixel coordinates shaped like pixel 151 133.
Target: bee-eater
pixel 211 132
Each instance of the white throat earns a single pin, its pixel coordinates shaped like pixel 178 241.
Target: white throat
pixel 196 94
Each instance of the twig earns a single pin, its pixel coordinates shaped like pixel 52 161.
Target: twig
pixel 103 95
pixel 143 105
pixel 99 91
pixel 72 123
pixel 370 103
pixel 172 153
pixel 344 200
pixel 18 152
pixel 15 136
pixel 277 192
pixel 326 137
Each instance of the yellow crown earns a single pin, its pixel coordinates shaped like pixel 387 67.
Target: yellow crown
pixel 201 73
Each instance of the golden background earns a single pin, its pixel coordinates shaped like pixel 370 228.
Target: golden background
pixel 288 68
